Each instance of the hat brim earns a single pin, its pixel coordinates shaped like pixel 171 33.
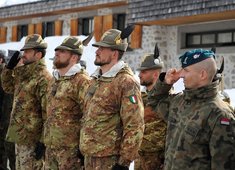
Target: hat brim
pixel 26 47
pixel 63 48
pixel 101 44
pixel 149 68
pixel 69 49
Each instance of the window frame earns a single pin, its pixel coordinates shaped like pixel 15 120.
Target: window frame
pixel 216 43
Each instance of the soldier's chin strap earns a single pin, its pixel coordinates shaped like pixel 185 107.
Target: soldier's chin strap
pixel 218 75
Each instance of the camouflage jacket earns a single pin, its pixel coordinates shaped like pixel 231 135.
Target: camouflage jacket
pixel 154 132
pixel 200 128
pixel 28 84
pixel 113 123
pixel 65 108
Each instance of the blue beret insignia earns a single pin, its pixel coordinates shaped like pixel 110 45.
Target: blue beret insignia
pixel 195 56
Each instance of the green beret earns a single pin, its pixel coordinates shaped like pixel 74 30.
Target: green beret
pixel 195 56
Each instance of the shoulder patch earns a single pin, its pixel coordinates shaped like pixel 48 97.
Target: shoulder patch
pixel 133 99
pixel 224 121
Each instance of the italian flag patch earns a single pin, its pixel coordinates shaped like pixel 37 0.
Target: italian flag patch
pixel 224 121
pixel 133 99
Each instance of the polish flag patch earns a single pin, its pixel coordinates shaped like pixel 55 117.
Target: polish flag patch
pixel 133 99
pixel 224 121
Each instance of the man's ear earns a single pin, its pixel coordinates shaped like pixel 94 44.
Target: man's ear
pixel 203 75
pixel 39 55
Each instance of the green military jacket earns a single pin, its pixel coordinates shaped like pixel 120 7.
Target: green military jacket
pixel 200 128
pixel 154 132
pixel 28 83
pixel 113 123
pixel 65 108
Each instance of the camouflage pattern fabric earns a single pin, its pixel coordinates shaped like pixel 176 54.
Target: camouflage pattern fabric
pixel 97 163
pixel 113 123
pixel 25 158
pixel 64 109
pixel 28 84
pixel 153 143
pixel 62 127
pixel 200 128
pixel 137 165
pixel 62 158
pixel 151 161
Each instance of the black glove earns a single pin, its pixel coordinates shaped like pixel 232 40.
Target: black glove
pixel 39 150
pixel 14 59
pixel 119 167
pixel 81 157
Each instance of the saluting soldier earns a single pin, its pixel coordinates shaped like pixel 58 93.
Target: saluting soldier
pixel 200 126
pixel 28 83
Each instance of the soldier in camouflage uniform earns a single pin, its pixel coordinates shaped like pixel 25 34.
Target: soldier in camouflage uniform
pixel 28 83
pixel 152 148
pixel 65 107
pixel 200 127
pixel 7 149
pixel 113 123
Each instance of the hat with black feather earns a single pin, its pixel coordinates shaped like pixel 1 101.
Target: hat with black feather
pixel 151 61
pixel 74 44
pixel 115 39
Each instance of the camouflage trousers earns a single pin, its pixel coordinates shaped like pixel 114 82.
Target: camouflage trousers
pixel 25 158
pixel 63 158
pixel 149 161
pixel 100 163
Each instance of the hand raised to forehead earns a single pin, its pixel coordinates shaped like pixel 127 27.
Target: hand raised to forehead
pixel 172 76
pixel 15 58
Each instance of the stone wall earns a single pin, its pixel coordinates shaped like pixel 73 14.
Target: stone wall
pixel 167 39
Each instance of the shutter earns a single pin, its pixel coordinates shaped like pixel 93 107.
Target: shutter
pixel 136 37
pixel 31 29
pixel 107 22
pixel 98 20
pixel 74 27
pixel 3 34
pixel 14 33
pixel 38 28
pixel 58 27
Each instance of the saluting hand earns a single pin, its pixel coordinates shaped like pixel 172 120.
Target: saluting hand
pixel 172 76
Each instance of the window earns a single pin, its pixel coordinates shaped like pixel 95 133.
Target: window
pixel 119 21
pixel 85 26
pixel 208 39
pixel 48 29
pixel 22 30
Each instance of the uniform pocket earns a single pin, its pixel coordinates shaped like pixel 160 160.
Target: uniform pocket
pixel 194 133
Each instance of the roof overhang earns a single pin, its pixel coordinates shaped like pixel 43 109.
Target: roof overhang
pixel 226 15
pixel 66 11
